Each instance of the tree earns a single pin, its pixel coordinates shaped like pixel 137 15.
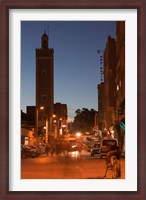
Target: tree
pixel 84 120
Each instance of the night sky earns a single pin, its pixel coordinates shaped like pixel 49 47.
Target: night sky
pixel 76 62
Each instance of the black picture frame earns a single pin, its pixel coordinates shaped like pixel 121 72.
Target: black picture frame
pixel 5 6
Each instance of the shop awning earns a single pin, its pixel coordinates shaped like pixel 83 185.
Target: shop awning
pixel 122 125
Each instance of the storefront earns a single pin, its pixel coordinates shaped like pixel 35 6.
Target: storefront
pixel 118 131
pixel 27 137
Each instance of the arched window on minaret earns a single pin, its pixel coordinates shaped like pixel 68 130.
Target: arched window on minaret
pixel 44 41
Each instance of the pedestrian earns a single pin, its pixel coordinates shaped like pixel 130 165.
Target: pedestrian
pixel 52 149
pixel 47 149
pixel 114 150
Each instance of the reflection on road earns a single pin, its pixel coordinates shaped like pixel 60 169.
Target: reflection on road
pixel 71 165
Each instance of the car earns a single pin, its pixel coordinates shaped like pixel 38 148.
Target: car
pixel 89 142
pixel 74 147
pixel 95 148
pixel 105 144
pixel 27 151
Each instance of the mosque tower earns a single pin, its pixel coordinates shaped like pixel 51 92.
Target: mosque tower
pixel 44 80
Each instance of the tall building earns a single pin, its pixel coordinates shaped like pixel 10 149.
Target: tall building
pixel 120 70
pixel 44 80
pixel 111 94
pixel 109 81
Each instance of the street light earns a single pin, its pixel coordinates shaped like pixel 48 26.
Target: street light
pixel 54 116
pixel 47 124
pixel 37 120
pixel 49 127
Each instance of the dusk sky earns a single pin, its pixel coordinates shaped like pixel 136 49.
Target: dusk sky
pixel 76 62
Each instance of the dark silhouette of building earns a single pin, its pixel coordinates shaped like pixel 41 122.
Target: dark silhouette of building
pixel 44 85
pixel 45 77
pixel 60 110
pixel 60 117
pixel 109 81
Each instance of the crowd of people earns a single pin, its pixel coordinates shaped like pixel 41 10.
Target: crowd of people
pixel 59 147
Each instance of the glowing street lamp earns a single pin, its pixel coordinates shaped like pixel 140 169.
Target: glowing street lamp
pixel 42 108
pixel 54 116
pixel 49 126
pixel 78 134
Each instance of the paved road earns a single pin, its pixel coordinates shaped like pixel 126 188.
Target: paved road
pixel 73 166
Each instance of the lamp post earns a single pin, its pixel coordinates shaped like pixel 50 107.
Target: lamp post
pixel 48 123
pixel 37 121
pixel 49 126
pixel 36 128
pixel 60 126
pixel 54 125
pixel 47 130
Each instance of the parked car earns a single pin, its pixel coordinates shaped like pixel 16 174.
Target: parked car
pixel 89 142
pixel 95 148
pixel 105 144
pixel 27 151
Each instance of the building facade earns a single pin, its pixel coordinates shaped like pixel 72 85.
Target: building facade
pixel 60 119
pixel 120 70
pixel 109 81
pixel 111 93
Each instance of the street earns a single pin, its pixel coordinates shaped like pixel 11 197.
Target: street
pixel 75 165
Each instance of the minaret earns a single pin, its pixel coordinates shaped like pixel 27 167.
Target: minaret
pixel 44 41
pixel 44 80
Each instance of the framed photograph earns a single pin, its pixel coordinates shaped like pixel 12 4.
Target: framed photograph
pixel 44 26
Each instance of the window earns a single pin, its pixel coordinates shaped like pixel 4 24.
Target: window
pixel 44 97
pixel 44 73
